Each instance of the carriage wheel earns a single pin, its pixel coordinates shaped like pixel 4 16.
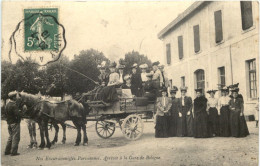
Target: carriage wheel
pixel 105 129
pixel 132 127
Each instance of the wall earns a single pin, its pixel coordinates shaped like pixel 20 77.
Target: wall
pixel 237 47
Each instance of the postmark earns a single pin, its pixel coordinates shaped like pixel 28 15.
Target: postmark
pixel 39 36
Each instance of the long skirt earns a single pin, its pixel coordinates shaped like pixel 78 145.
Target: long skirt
pixel 201 124
pixel 224 120
pixel 108 94
pixel 185 126
pixel 213 122
pixel 238 124
pixel 161 127
pixel 172 124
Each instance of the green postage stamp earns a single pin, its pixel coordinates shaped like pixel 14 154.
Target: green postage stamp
pixel 41 32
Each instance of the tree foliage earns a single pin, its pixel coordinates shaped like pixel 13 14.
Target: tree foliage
pixel 134 57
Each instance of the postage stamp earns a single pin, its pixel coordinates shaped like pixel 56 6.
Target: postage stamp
pixel 39 36
pixel 41 29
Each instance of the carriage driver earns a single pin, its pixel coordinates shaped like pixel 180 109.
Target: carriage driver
pixel 13 118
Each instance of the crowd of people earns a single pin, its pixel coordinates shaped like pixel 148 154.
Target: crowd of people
pixel 182 117
pixel 200 118
pixel 203 117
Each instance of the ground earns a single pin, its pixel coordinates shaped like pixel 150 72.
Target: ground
pixel 145 151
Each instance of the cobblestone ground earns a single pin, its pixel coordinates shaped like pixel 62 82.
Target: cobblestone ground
pixel 145 151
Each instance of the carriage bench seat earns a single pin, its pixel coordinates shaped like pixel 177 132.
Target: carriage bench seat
pixel 98 103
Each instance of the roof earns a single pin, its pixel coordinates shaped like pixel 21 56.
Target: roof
pixel 180 18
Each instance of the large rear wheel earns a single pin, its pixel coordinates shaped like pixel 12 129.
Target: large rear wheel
pixel 132 127
pixel 105 129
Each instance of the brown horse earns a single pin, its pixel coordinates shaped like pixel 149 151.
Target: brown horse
pixel 43 111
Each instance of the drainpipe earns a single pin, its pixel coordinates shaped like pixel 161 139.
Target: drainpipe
pixel 231 66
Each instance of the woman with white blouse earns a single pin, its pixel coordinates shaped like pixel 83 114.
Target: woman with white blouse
pixel 224 118
pixel 212 105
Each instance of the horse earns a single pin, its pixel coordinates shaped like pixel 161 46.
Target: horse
pixel 43 111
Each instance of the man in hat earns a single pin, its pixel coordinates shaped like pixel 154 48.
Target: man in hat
pixel 136 81
pixel 200 115
pixel 13 118
pixel 163 105
pixel 174 113
pixel 213 113
pixel 127 84
pixel 157 77
pixel 149 88
pixel 121 73
pixel 185 122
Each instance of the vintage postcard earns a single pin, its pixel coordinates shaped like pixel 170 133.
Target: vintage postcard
pixel 130 83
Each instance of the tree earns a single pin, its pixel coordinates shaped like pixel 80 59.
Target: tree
pixel 55 79
pixel 19 76
pixel 86 63
pixel 134 57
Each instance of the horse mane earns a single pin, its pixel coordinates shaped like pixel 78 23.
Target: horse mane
pixel 30 97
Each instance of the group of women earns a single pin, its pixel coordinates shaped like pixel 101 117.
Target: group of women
pixel 203 117
pixel 141 84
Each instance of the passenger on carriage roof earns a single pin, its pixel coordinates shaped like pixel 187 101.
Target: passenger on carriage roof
pixel 103 77
pixel 149 88
pixel 128 84
pixel 121 73
pixel 114 76
pixel 136 81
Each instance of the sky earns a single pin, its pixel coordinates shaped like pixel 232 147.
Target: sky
pixel 114 28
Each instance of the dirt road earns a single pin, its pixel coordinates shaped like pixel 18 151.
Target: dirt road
pixel 145 151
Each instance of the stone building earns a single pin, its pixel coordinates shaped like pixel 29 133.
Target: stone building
pixel 213 44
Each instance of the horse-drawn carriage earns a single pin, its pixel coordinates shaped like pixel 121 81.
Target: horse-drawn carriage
pixel 127 112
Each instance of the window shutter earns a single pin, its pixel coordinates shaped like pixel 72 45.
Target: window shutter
pixel 218 26
pixel 180 46
pixel 168 53
pixel 246 14
pixel 196 31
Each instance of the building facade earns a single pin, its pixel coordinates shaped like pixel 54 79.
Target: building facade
pixel 215 44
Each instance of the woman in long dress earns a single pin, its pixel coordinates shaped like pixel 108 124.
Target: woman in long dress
pixel 212 104
pixel 200 115
pixel 224 117
pixel 174 113
pixel 163 105
pixel 238 124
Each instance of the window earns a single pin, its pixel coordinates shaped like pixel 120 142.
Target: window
pixel 218 26
pixel 200 79
pixel 252 78
pixel 183 81
pixel 196 31
pixel 222 80
pixel 246 14
pixel 180 46
pixel 168 53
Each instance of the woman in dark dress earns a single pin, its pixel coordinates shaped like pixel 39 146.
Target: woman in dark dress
pixel 224 117
pixel 200 115
pixel 238 124
pixel 163 105
pixel 213 124
pixel 174 113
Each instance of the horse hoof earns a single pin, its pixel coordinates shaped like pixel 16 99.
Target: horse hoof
pixel 76 144
pixel 85 144
pixel 46 148
pixel 63 142
pixel 40 148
